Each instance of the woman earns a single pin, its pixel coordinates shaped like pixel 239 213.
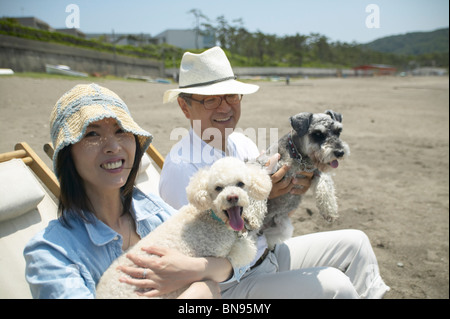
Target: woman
pixel 98 149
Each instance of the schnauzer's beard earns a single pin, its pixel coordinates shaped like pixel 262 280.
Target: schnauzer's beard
pixel 322 155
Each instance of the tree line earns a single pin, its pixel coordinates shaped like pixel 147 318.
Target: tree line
pixel 314 50
pixel 245 48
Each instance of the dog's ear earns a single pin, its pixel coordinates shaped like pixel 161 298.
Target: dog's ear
pixel 197 190
pixel 334 115
pixel 300 122
pixel 259 183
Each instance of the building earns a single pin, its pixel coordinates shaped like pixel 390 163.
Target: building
pixel 185 39
pixel 33 22
pixel 374 70
pixel 429 71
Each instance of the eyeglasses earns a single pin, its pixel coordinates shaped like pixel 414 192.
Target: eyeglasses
pixel 212 103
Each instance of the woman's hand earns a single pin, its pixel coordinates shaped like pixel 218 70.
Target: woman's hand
pixel 170 270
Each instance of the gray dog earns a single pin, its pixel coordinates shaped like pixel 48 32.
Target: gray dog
pixel 313 145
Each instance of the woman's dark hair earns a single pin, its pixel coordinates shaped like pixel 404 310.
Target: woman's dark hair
pixel 73 198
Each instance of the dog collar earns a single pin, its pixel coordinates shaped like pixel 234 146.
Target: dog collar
pixel 295 155
pixel 293 150
pixel 215 217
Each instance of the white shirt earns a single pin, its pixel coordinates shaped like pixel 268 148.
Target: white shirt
pixel 191 154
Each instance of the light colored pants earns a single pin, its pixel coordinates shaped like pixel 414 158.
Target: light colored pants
pixel 335 264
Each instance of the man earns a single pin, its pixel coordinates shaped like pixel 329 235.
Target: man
pixel 204 98
pixel 303 267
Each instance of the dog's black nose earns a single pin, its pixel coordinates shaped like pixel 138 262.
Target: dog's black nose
pixel 232 199
pixel 339 154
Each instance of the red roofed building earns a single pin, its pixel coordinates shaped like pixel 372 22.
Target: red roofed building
pixel 374 70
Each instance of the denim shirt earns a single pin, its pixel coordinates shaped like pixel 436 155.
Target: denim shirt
pixel 64 262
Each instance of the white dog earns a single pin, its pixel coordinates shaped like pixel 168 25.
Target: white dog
pixel 220 221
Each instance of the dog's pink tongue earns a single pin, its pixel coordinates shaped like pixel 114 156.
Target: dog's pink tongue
pixel 334 164
pixel 236 222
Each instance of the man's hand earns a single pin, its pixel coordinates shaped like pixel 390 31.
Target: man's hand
pixel 298 185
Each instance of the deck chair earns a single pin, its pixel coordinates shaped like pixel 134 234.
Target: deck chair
pixel 29 157
pixel 25 208
pixel 148 175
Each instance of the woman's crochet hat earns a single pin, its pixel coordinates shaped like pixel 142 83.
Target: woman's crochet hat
pixel 83 105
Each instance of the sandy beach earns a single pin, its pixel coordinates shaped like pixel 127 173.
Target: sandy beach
pixel 394 186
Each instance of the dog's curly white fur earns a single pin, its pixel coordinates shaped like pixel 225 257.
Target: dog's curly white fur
pixel 227 206
pixel 313 145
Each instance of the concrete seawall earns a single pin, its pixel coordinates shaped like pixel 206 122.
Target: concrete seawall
pixel 24 55
pixel 243 72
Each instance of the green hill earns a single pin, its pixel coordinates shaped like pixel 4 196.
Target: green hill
pixel 415 43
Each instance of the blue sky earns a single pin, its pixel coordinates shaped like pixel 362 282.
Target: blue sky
pixel 339 20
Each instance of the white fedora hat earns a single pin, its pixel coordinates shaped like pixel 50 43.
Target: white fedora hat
pixel 208 73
